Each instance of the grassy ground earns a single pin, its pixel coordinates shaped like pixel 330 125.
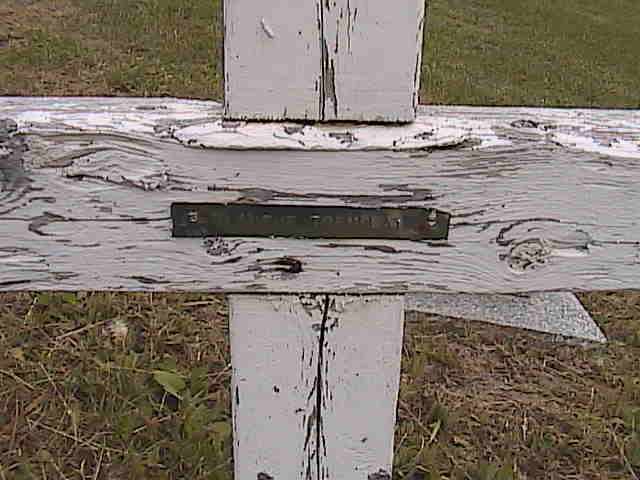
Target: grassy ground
pixel 88 385
pixel 478 52
pixel 135 386
pixel 111 47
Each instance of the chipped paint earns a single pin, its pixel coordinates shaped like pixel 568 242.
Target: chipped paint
pixel 427 132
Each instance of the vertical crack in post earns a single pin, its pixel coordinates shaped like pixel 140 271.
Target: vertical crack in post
pixel 323 58
pixel 418 68
pixel 348 26
pixel 327 67
pixel 319 390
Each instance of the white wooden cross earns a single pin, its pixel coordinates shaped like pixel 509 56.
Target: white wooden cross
pixel 316 376
pixel 541 200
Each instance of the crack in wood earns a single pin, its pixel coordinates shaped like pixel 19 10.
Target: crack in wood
pixel 286 266
pixel 349 26
pixel 500 240
pixel 13 283
pixel 417 68
pixel 387 248
pixel 319 388
pixel 148 280
pixel 37 223
pixel 143 185
pixel 265 195
pixel 323 54
pixel 42 221
pixel 327 68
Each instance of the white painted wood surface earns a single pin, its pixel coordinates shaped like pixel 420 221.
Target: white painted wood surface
pixel 314 385
pixel 542 199
pixel 271 59
pixel 322 60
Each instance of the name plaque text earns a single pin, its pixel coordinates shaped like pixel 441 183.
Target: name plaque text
pixel 301 221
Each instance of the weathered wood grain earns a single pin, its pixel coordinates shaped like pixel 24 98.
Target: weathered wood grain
pixel 320 60
pixel 314 385
pixel 542 199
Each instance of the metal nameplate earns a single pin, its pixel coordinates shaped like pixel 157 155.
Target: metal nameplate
pixel 298 221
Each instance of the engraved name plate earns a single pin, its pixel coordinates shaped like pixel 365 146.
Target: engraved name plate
pixel 301 221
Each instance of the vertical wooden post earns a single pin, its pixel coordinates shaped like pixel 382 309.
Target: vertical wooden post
pixel 315 377
pixel 322 60
pixel 315 384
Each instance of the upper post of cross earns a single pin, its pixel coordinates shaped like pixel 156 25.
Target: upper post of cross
pixel 322 60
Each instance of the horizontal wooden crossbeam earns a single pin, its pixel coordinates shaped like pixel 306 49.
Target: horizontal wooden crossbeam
pixel 541 199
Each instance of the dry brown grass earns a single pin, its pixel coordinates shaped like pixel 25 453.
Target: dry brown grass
pixel 79 395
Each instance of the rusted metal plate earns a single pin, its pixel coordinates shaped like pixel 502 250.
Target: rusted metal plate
pixel 251 220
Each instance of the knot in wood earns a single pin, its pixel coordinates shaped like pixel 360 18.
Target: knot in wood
pixel 528 255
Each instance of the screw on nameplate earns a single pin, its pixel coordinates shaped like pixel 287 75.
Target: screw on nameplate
pixel 298 221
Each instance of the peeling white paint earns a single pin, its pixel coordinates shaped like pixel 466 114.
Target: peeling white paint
pixel 198 123
pixel 139 115
pixel 616 147
pixel 426 132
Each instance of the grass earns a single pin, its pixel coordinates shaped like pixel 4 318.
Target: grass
pixel 109 47
pixel 128 385
pixel 137 386
pixel 503 52
pixel 477 52
pixel 110 386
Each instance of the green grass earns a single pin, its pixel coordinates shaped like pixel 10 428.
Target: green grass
pixel 108 47
pixel 135 386
pixel 503 52
pixel 477 52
